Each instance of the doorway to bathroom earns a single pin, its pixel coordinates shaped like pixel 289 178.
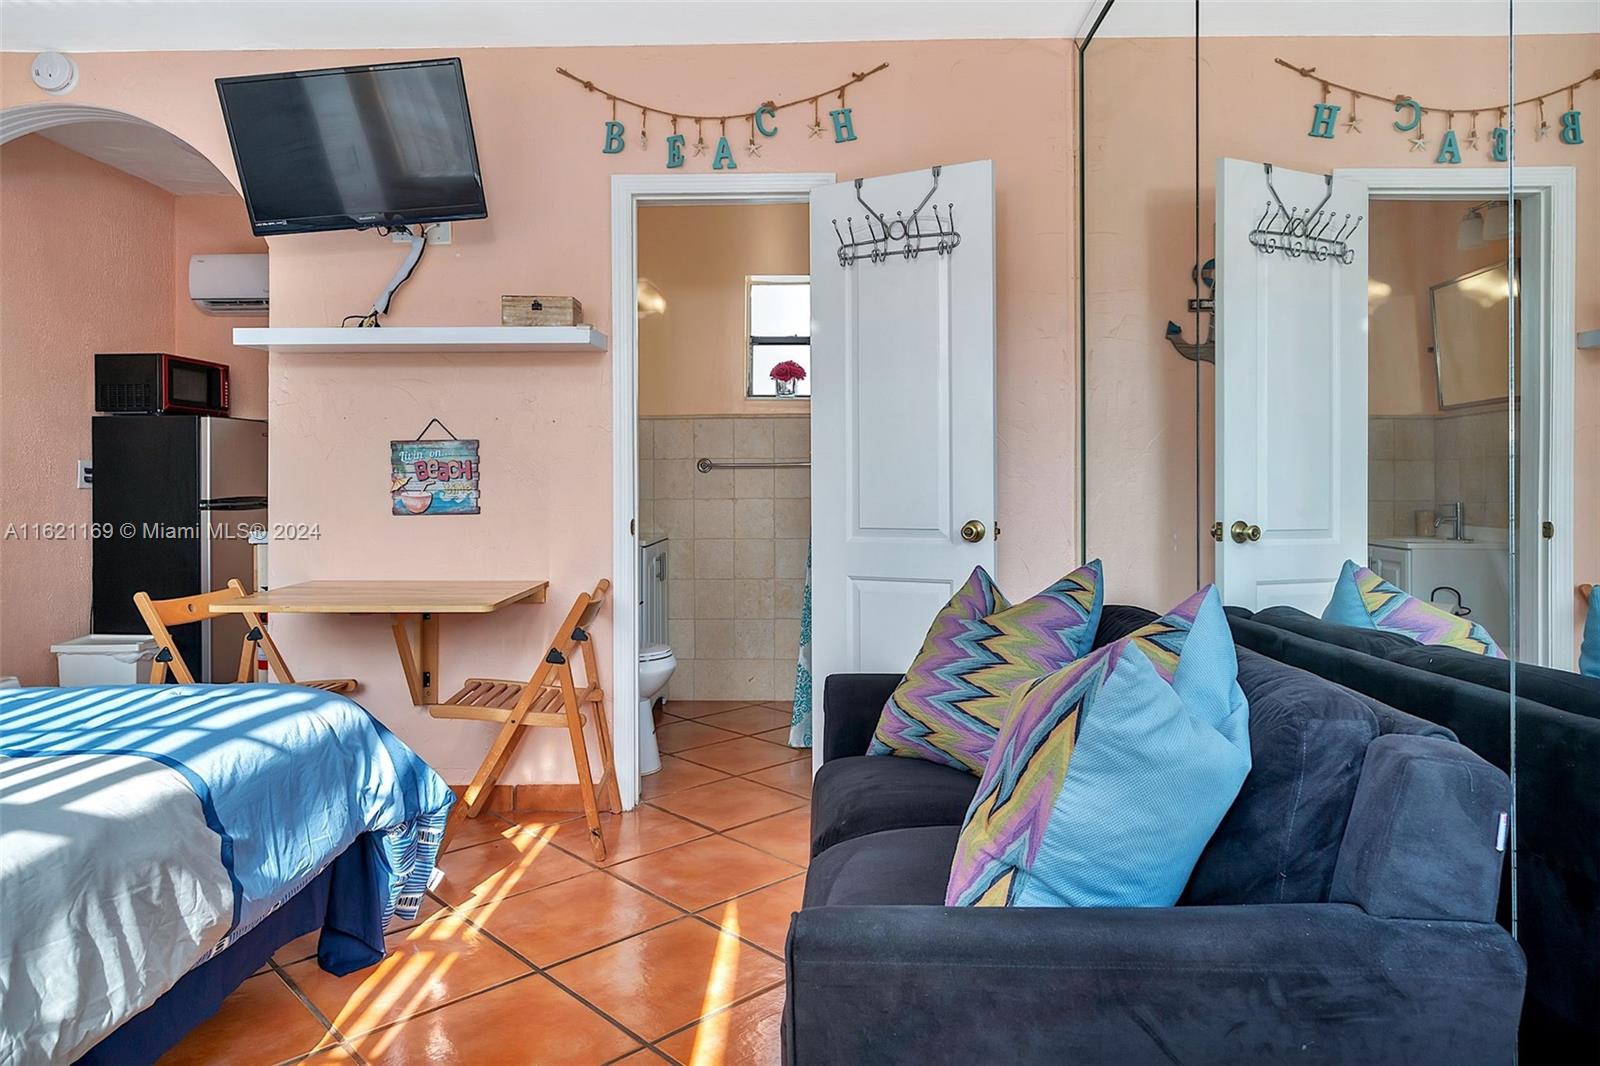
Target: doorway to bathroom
pixel 712 454
pixel 902 425
pixel 1438 447
pixel 724 507
pixel 1471 439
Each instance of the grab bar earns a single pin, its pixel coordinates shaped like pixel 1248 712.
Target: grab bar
pixel 705 466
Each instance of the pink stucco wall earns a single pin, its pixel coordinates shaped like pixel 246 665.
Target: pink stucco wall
pixel 77 241
pixel 694 354
pixel 544 421
pixel 91 260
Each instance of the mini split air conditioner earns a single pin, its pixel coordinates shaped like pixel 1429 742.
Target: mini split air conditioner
pixel 229 284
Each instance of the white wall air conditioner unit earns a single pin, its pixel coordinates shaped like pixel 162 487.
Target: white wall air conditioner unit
pixel 229 284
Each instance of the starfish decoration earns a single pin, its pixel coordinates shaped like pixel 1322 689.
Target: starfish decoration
pixel 644 139
pixel 699 147
pixel 1472 139
pixel 753 148
pixel 816 129
pixel 1543 131
pixel 1353 123
pixel 1419 143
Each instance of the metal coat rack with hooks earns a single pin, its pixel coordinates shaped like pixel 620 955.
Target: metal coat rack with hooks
pixel 907 237
pixel 1314 233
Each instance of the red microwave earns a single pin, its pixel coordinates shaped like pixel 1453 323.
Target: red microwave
pixel 152 383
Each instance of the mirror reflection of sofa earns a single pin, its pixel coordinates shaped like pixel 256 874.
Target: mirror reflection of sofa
pixel 1344 907
pixel 1563 690
pixel 1558 746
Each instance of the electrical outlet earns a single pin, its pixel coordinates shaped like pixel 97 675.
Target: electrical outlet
pixel 437 233
pixel 85 474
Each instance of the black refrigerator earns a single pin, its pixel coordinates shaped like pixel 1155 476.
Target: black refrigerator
pixel 174 499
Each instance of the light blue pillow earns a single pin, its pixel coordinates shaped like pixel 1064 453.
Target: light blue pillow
pixel 1345 607
pixel 1110 775
pixel 1589 655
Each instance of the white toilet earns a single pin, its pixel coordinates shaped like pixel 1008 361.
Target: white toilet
pixel 656 664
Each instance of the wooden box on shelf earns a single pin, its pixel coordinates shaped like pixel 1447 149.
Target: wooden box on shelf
pixel 540 311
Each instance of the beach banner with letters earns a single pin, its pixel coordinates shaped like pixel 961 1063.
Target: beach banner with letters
pixel 428 477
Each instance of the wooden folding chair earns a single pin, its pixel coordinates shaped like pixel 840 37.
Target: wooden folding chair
pixel 160 615
pixel 551 697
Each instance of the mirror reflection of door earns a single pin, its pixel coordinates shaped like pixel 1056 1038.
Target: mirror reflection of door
pixel 1291 411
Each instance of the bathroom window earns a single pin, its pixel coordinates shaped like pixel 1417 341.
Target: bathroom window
pixel 778 310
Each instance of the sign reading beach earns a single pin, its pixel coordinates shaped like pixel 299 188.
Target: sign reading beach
pixel 428 477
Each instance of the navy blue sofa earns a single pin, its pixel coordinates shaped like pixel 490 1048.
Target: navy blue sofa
pixel 1343 912
pixel 1558 792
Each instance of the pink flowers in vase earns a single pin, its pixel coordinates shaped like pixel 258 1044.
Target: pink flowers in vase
pixel 786 375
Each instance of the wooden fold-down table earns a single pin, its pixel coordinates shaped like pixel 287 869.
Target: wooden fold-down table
pixel 402 601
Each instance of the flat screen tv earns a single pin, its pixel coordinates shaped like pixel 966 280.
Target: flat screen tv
pixel 354 147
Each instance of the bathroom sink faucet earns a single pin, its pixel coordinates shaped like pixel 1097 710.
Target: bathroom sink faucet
pixel 1453 513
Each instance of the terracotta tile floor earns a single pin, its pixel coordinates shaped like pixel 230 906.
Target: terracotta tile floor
pixel 529 953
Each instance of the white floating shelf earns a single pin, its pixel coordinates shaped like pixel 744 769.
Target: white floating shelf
pixel 391 340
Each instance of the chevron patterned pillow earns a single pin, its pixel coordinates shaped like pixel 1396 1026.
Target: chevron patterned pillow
pixel 978 651
pixel 1363 599
pixel 1110 775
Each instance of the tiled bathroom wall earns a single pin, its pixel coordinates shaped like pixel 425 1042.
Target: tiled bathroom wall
pixel 1417 462
pixel 736 550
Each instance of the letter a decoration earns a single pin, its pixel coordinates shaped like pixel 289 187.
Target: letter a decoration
pixel 762 119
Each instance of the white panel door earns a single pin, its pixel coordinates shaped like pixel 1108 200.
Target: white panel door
pixel 903 420
pixel 1291 422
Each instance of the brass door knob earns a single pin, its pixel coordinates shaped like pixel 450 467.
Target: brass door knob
pixel 972 531
pixel 1242 531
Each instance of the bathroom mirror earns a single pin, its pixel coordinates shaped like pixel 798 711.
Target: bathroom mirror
pixel 1470 349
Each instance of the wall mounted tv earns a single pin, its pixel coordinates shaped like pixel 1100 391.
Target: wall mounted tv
pixel 354 147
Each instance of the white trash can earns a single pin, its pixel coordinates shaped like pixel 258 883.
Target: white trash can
pixel 105 659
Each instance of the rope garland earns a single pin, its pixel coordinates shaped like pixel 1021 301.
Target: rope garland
pixel 1326 83
pixel 647 110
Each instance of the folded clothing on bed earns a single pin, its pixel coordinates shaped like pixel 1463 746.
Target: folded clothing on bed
pixel 143 829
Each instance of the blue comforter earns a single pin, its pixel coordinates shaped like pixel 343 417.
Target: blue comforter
pixel 144 829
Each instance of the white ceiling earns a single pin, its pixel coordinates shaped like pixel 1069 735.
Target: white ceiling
pixel 147 152
pixel 157 25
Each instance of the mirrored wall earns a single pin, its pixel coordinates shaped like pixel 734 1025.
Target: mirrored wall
pixel 1335 286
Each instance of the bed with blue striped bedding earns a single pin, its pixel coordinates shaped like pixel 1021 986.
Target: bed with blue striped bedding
pixel 144 829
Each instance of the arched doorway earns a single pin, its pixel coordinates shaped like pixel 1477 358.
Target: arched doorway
pixel 100 214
